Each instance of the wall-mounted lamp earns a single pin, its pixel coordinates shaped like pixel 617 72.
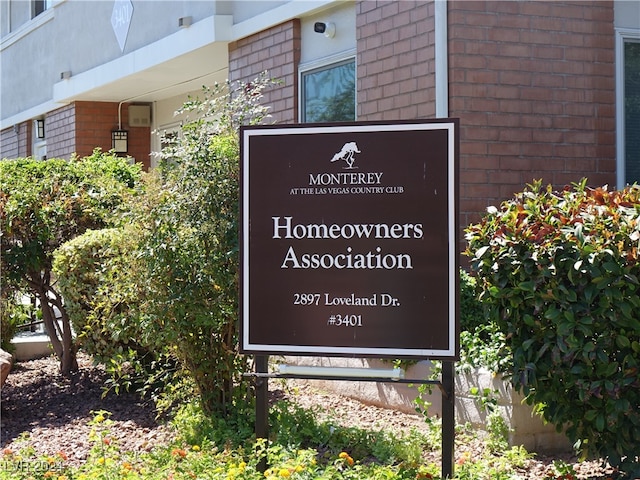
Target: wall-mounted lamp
pixel 66 75
pixel 40 128
pixel 119 141
pixel 327 29
pixel 16 129
pixel 184 22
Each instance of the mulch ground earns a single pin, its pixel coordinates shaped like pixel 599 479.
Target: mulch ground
pixel 42 409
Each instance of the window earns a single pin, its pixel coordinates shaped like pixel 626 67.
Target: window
pixel 632 111
pixel 329 92
pixel 40 6
pixel 628 106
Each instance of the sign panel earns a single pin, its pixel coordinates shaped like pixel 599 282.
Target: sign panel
pixel 349 239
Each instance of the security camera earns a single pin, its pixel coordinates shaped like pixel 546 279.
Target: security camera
pixel 328 29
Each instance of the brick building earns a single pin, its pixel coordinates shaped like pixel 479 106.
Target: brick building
pixel 543 89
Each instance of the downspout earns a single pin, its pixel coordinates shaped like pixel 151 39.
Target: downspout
pixel 441 53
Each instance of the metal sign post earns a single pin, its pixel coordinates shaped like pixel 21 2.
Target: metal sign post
pixel 448 418
pixel 262 403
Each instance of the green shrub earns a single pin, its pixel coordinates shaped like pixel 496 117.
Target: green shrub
pixel 190 245
pixel 43 205
pixel 482 344
pixel 95 279
pixel 560 273
pixel 98 278
pixel 472 315
pixel 12 315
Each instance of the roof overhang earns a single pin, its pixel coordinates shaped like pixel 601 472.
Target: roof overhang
pixel 180 63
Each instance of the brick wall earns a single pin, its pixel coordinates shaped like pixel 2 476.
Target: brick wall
pixel 94 123
pixel 276 50
pixel 396 60
pixel 16 144
pixel 82 126
pixel 60 132
pixel 533 86
pixel 96 120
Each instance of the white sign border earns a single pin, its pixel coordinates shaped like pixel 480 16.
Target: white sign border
pixel 438 124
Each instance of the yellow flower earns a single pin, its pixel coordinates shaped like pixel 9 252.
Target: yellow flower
pixel 101 461
pixel 99 418
pixel 284 472
pixel 196 448
pixel 343 455
pixel 51 460
pixel 299 468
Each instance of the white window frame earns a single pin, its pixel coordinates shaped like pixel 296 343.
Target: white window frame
pixel 623 35
pixel 343 57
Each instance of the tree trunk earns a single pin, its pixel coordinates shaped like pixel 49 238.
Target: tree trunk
pixel 59 332
pixel 49 320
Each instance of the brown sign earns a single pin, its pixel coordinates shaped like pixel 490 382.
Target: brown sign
pixel 349 239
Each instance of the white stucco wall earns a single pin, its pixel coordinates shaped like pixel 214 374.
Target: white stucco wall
pixel 627 14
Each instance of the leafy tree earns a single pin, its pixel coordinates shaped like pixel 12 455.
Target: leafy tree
pixel 42 205
pixel 561 273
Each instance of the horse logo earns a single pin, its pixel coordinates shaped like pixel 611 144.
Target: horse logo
pixel 347 154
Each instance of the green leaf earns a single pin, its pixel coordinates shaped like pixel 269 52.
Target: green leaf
pixel 627 310
pixel 526 345
pixel 599 422
pixel 527 286
pixel 612 267
pixel 622 341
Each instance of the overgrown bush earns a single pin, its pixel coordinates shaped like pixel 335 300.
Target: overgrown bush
pixel 560 273
pixel 95 279
pixel 98 278
pixel 164 287
pixel 190 245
